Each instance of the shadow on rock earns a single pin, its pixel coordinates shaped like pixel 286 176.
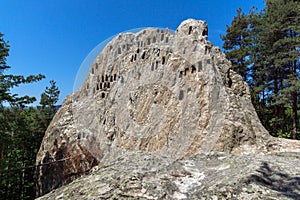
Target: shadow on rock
pixel 275 179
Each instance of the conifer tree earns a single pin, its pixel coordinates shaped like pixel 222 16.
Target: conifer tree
pixel 273 64
pixel 236 43
pixel 287 54
pixel 17 140
pixel 9 81
pixel 48 107
pixel 277 39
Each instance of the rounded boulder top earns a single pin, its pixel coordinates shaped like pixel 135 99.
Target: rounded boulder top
pixel 197 28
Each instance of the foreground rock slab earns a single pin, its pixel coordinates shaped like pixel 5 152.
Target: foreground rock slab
pixel 205 176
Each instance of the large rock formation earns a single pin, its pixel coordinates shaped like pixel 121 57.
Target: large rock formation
pixel 154 91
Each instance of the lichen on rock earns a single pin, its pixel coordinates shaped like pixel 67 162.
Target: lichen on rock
pixel 140 175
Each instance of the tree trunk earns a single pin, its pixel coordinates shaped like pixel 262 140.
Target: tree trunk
pixel 294 115
pixel 276 106
pixel 295 105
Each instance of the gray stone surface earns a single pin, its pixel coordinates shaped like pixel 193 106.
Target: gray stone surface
pixel 153 91
pixel 212 176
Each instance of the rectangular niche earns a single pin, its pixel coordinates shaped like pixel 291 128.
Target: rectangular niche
pixel 199 66
pixel 181 95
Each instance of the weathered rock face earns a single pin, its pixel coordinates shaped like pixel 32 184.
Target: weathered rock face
pixel 214 176
pixel 173 94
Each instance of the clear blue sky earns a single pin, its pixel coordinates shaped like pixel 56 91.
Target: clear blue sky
pixel 53 37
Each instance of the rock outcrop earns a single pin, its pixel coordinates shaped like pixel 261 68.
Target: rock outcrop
pixel 153 91
pixel 213 176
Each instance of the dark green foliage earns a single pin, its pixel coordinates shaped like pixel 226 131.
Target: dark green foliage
pixel 47 107
pixel 237 42
pixel 273 62
pixel 21 146
pixel 9 81
pixel 21 131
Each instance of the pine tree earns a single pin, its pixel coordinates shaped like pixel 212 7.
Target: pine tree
pixel 273 63
pixel 9 81
pixel 237 42
pixel 265 74
pixel 287 58
pixel 277 38
pixel 18 143
pixel 47 107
